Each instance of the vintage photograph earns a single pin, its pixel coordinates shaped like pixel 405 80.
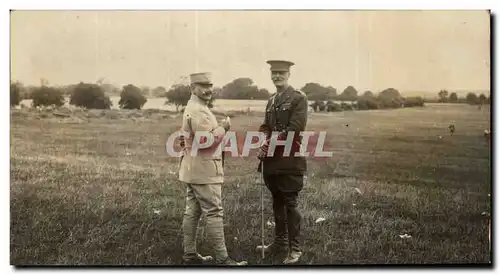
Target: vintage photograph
pixel 250 137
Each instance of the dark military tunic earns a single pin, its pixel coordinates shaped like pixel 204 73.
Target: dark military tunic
pixel 284 175
pixel 285 112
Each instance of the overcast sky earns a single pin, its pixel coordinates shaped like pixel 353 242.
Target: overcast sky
pixel 409 51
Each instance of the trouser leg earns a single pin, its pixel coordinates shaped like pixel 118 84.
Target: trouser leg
pixel 280 219
pixel 279 212
pixel 294 219
pixel 210 199
pixel 190 221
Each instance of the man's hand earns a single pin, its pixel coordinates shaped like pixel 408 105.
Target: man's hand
pixel 226 123
pixel 262 154
pixel 265 146
pixel 263 150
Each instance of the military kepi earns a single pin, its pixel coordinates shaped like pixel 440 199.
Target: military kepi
pixel 201 78
pixel 280 65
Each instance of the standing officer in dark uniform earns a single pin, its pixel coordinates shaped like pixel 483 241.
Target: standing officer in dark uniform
pixel 286 111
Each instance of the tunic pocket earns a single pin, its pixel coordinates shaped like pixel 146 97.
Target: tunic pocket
pixel 284 113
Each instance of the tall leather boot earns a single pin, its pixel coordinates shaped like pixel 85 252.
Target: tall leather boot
pixel 294 219
pixel 280 243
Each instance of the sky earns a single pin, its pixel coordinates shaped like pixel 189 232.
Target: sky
pixel 370 50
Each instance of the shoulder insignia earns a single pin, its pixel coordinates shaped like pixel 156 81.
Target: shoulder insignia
pixel 301 93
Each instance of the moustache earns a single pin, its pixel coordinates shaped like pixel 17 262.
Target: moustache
pixel 277 79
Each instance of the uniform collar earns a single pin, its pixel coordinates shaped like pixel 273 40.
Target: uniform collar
pixel 286 91
pixel 284 95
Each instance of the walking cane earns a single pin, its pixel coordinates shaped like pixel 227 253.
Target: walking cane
pixel 263 129
pixel 262 206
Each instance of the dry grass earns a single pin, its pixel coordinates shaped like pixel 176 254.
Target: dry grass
pixel 105 192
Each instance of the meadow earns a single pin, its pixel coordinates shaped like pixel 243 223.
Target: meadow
pixel 103 190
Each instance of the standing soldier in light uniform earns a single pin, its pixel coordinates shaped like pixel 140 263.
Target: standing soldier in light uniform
pixel 286 111
pixel 203 174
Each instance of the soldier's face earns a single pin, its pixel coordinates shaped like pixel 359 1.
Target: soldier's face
pixel 280 78
pixel 203 91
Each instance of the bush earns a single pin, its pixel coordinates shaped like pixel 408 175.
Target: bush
pixel 414 102
pixel 90 96
pixel 390 103
pixel 47 96
pixel 27 92
pixel 368 104
pixel 333 107
pixel 132 98
pixel 318 105
pixel 346 107
pixel 15 96
pixel 178 95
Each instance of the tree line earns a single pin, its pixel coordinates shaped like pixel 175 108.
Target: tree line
pixel 470 98
pixel 97 95
pixel 85 95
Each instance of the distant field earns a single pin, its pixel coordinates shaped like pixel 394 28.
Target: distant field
pixel 105 192
pixel 159 103
pixel 220 104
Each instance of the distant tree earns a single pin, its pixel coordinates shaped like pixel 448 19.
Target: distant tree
pixel 132 97
pixel 332 93
pixel 242 88
pixel 15 94
pixel 332 106
pixel 367 103
pixel 453 98
pixel 390 98
pixel 321 106
pixel 414 102
pixel 471 98
pixel 482 99
pixel 46 96
pixel 263 94
pixel 178 95
pixel 346 106
pixel 90 96
pixel 349 94
pixel 160 91
pixel 315 91
pixel 368 94
pixel 316 105
pixel 390 93
pixel 67 90
pixel 488 100
pixel 443 96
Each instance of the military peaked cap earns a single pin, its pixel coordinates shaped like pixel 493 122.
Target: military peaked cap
pixel 280 65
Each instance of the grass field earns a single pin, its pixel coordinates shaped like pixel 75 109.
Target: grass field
pixel 105 192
